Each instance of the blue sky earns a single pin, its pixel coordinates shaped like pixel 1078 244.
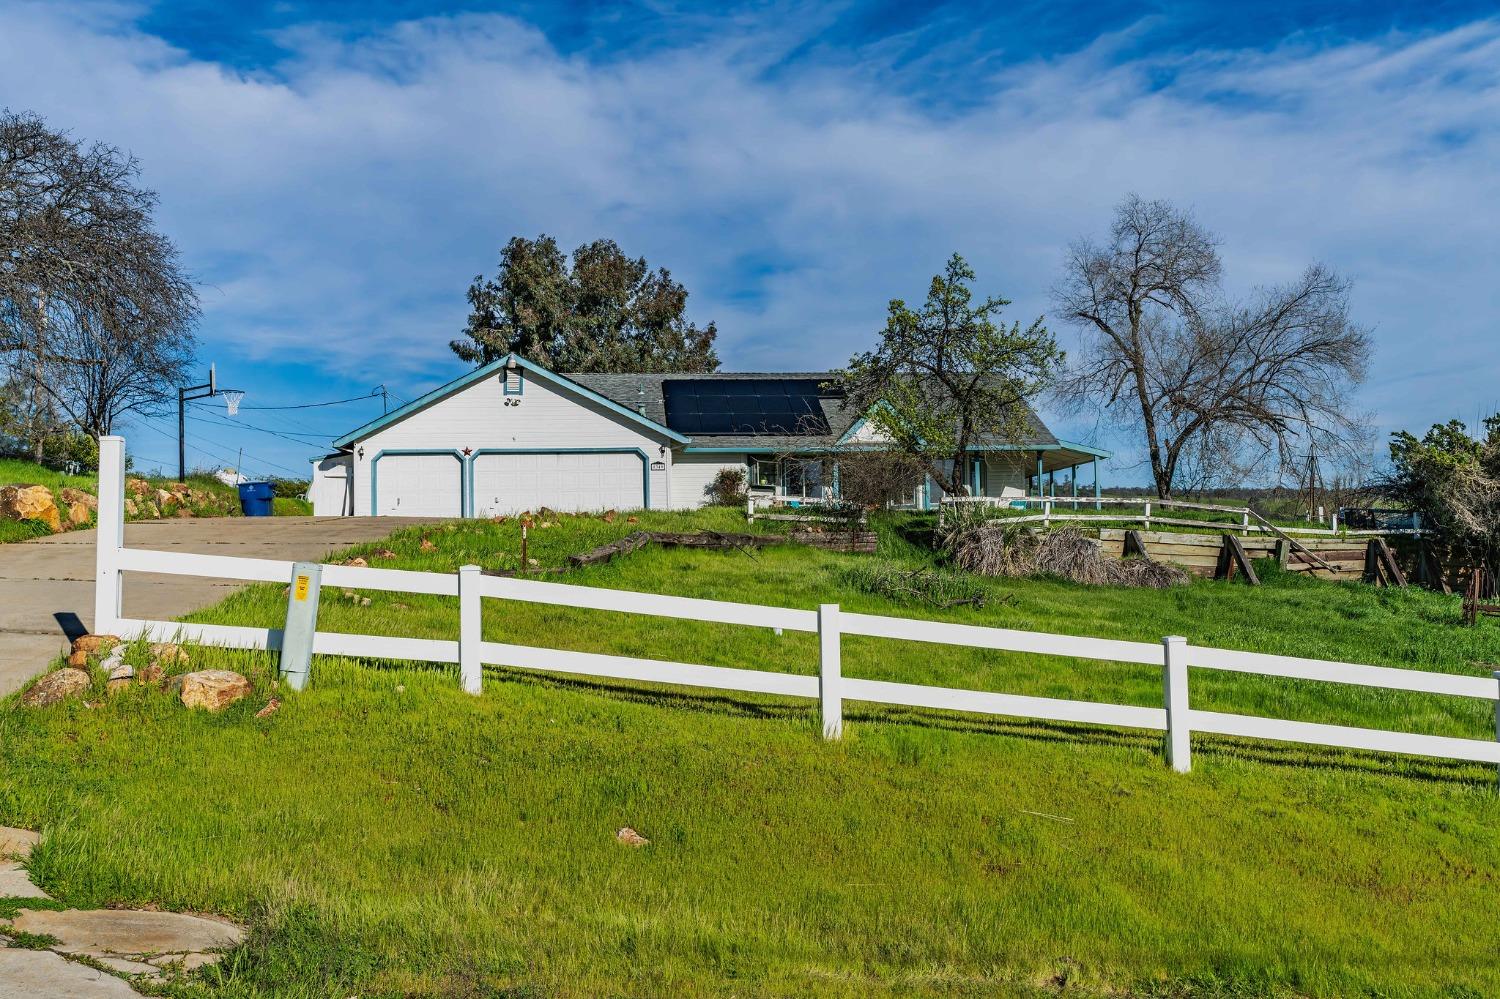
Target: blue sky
pixel 336 173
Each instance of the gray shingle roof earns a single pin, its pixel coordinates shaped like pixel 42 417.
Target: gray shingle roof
pixel 643 393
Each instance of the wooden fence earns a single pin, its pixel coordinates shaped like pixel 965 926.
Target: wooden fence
pixel 1174 656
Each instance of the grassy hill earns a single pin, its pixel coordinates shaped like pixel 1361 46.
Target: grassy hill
pixel 387 835
pixel 210 497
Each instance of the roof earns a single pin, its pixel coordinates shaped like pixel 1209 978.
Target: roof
pixel 644 399
pixel 649 391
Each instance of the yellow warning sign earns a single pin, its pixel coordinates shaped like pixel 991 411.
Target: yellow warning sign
pixel 299 592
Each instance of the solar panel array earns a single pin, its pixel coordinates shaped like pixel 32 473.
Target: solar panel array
pixel 744 406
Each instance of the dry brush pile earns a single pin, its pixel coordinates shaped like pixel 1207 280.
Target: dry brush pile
pixel 995 548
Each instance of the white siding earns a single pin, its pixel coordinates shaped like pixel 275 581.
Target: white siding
pixel 329 491
pixel 692 474
pixel 543 416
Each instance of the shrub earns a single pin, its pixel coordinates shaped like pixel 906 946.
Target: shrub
pixel 289 488
pixel 728 487
pixel 930 586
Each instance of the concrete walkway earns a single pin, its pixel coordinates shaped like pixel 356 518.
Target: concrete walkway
pixel 47 584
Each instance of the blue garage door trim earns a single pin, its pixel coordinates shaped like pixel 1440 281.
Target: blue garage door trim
pixel 645 465
pixel 464 487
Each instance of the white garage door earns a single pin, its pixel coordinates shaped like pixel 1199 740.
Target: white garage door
pixel 419 485
pixel 512 483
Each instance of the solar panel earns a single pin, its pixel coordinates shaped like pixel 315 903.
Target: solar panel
pixel 744 406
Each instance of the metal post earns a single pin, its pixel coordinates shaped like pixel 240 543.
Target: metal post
pixel 1097 505
pixel 110 537
pixel 1175 681
pixel 1073 487
pixel 182 436
pixel 470 673
pixel 301 623
pixel 1039 487
pixel 830 694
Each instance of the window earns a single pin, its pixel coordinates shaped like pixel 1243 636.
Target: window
pixel 804 477
pixel 764 473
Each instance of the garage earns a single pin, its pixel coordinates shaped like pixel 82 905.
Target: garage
pixel 425 484
pixel 566 481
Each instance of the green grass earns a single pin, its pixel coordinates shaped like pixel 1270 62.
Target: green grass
pixel 291 506
pixel 386 835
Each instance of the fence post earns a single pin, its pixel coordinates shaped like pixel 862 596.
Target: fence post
pixel 1175 677
pixel 749 509
pixel 110 537
pixel 1148 515
pixel 830 681
pixel 1496 675
pixel 469 631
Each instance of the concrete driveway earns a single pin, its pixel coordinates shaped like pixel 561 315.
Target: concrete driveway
pixel 47 584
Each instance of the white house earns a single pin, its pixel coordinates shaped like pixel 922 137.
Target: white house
pixel 513 436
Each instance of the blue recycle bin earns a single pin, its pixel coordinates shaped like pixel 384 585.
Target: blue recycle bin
pixel 255 498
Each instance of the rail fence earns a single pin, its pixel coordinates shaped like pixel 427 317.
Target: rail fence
pixel 470 652
pixel 1056 508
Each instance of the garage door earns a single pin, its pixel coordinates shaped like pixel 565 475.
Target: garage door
pixel 419 485
pixel 511 483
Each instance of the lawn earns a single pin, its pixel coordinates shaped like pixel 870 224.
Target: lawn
pixel 387 835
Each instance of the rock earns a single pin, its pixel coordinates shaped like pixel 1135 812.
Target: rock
pixel 427 545
pixel 78 515
pixel 95 643
pixel 150 674
pixel 16 883
pixel 137 487
pixel 17 842
pixel 149 510
pixel 213 689
pixel 41 974
pixel 78 659
pixel 127 966
pixel 364 601
pixel 116 686
pixel 164 498
pixel 166 654
pixel 533 563
pixel 70 495
pixel 129 933
pixel 632 520
pixel 130 507
pixel 25 502
pixel 384 553
pixel 609 516
pixel 180 487
pixel 630 837
pixel 184 512
pixel 56 686
pixel 270 709
pixel 120 677
pixel 357 562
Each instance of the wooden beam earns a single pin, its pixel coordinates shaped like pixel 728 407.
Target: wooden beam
pixel 1231 557
pixel 1386 559
pixel 1134 545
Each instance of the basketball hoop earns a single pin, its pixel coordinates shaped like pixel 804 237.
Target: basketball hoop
pixel 232 399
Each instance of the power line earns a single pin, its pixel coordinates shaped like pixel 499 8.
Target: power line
pixel 316 439
pixel 219 454
pixel 316 405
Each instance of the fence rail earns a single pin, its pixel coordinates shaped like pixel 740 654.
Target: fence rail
pixel 1174 656
pixel 1051 505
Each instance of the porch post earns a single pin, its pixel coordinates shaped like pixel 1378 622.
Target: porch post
pixel 1097 504
pixel 837 494
pixel 1073 486
pixel 1039 486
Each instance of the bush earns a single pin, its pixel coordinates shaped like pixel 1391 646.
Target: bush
pixel 928 586
pixel 73 447
pixel 728 487
pixel 289 488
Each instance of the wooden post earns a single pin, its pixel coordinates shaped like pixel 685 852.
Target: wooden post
pixel 830 694
pixel 470 672
pixel 1134 545
pixel 749 509
pixel 1148 515
pixel 110 537
pixel 1283 551
pixel 1175 682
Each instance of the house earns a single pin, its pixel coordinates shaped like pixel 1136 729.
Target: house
pixel 513 436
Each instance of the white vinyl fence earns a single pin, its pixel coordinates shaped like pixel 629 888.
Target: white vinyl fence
pixel 1173 655
pixel 1055 508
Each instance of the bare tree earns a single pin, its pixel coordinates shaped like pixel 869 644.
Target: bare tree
pixel 1204 379
pixel 96 314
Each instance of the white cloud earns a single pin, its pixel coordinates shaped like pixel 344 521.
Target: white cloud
pixel 338 205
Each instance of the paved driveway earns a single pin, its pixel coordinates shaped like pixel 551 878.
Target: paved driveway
pixel 47 585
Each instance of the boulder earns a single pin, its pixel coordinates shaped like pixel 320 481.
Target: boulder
pixel 78 515
pixel 180 487
pixel 95 643
pixel 149 510
pixel 150 674
pixel 164 498
pixel 629 837
pixel 137 487
pixel 167 654
pixel 130 508
pixel 213 689
pixel 56 686
pixel 184 512
pixel 25 502
pixel 384 553
pixel 70 495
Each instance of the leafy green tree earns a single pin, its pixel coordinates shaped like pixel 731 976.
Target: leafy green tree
pixel 950 374
pixel 1453 480
pixel 601 311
